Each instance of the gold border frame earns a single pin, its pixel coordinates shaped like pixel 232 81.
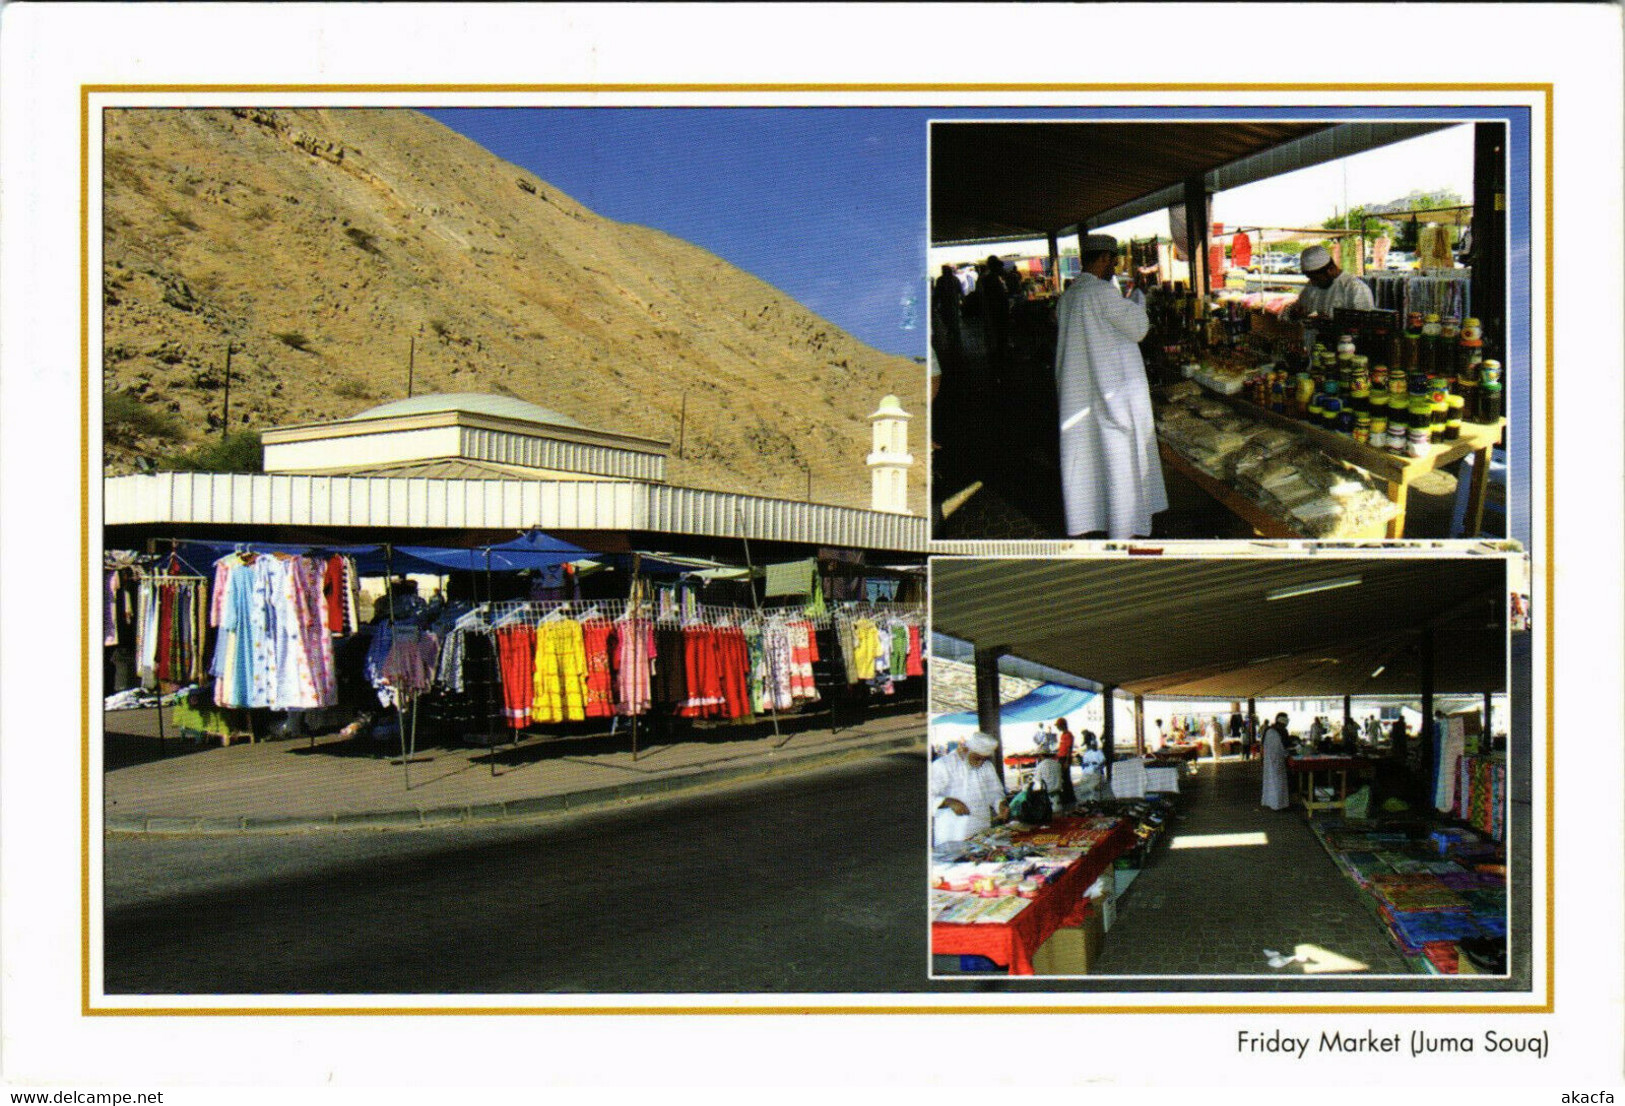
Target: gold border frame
pixel 88 1010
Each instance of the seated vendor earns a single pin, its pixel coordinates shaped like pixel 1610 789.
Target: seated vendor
pixel 965 782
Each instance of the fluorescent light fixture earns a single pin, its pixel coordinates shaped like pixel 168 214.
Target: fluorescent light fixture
pixel 1310 589
pixel 1381 668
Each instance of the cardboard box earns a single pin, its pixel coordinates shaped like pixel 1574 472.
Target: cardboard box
pixel 1072 950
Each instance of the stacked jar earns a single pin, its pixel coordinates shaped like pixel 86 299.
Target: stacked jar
pixel 1410 343
pixel 1420 435
pixel 1490 398
pixel 1378 406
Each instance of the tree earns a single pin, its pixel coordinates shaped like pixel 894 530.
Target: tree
pixel 1405 228
pixel 236 452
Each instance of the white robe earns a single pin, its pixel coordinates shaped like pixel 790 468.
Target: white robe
pixel 1111 476
pixel 1275 790
pixel 978 788
pixel 1345 290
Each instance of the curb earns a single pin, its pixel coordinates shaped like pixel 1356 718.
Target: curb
pixel 540 806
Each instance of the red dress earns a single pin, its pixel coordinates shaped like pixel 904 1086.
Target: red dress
pixel 516 659
pixel 600 701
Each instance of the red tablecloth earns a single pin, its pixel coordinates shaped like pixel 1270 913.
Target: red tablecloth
pixel 1060 904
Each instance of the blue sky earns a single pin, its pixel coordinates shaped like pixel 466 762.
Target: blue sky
pixel 827 205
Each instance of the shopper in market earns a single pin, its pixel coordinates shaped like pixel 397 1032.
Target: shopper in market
pixel 946 301
pixel 1063 752
pixel 1274 793
pixel 1329 287
pixel 1111 475
pixel 965 782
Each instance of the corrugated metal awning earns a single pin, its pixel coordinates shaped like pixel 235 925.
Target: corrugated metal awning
pixel 421 503
pixel 1003 180
pixel 1205 627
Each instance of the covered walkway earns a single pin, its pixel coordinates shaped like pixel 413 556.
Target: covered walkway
pixel 1235 879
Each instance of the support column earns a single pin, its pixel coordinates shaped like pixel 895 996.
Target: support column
pixel 1055 259
pixel 1139 725
pixel 1488 257
pixel 987 699
pixel 1489 715
pixel 1429 745
pixel 1197 231
pixel 1252 724
pixel 1108 737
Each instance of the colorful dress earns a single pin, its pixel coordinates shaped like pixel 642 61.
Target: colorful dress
pixel 561 673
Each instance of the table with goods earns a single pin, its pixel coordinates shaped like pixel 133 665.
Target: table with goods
pixel 1440 890
pixel 1004 893
pixel 1306 768
pixel 1327 443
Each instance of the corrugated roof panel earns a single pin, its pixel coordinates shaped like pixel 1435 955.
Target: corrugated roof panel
pixel 1205 626
pixel 1100 173
pixel 431 503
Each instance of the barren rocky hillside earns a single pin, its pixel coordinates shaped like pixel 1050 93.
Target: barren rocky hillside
pixel 320 243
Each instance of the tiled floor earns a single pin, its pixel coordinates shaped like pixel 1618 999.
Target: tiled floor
pixel 1214 910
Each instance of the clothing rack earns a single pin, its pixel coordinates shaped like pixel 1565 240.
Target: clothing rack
pixel 1434 292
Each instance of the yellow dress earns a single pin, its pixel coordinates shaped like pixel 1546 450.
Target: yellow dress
pixel 865 647
pixel 561 673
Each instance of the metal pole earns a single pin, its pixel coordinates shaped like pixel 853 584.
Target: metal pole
pixel 757 606
pixel 225 413
pixel 636 596
pixel 1108 737
pixel 411 364
pixel 491 720
pixel 400 722
pixel 986 661
pixel 682 423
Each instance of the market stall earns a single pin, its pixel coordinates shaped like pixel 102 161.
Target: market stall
pixel 1306 770
pixel 1209 332
pixel 1007 892
pixel 1329 444
pixel 1304 633
pixel 282 641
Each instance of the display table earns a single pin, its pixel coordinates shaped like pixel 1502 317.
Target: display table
pixel 1176 754
pixel 1305 769
pixel 1061 903
pixel 1399 472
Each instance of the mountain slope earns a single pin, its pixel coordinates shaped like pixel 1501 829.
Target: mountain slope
pixel 322 244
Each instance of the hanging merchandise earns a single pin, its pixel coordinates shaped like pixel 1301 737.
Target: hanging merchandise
pixel 170 627
pixel 341 595
pixel 1241 250
pixel 516 660
pixel 723 663
pixel 1481 794
pixel 1433 248
pixel 274 649
pixel 634 650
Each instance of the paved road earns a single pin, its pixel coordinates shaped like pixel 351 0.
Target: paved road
pixel 812 883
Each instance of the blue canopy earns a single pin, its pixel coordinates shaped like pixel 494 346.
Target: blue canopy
pixel 1045 703
pixel 531 550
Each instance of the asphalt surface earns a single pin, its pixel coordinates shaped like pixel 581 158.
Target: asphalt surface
pixel 806 884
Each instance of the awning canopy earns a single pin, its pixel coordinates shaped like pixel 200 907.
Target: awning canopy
pixel 992 181
pixel 1044 703
pixel 530 550
pixel 1206 627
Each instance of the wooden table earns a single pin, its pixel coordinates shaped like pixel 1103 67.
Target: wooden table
pixel 1398 472
pixel 1305 769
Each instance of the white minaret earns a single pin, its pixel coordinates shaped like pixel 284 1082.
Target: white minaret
pixel 890 461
